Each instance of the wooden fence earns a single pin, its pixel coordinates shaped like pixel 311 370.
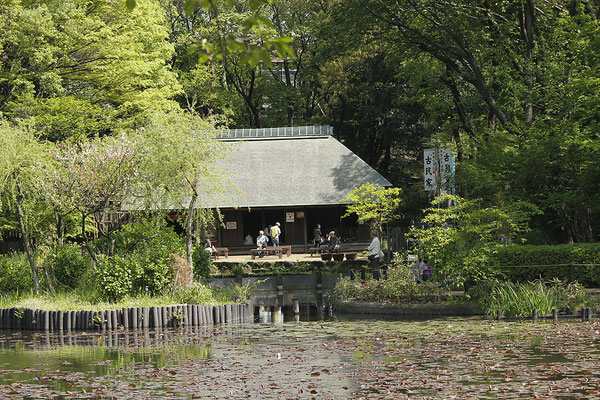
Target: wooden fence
pixel 585 316
pixel 127 317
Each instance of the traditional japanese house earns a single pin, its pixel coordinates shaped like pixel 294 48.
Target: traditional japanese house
pixel 296 176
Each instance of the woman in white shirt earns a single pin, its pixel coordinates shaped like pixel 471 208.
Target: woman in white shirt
pixel 375 253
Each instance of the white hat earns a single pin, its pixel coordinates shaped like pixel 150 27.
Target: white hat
pixel 278 224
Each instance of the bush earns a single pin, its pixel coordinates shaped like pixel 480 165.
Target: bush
pixel 15 273
pixel 202 263
pixel 517 255
pixel 194 294
pixel 398 288
pixel 143 254
pixel 68 264
pixel 114 278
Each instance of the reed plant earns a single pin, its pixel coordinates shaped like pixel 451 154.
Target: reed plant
pixel 520 299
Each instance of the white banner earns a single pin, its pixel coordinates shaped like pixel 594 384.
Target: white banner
pixel 438 170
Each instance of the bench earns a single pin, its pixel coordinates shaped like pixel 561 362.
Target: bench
pixel 272 251
pixel 219 251
pixel 318 250
pixel 322 249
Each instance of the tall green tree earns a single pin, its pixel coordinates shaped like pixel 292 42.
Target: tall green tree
pixel 180 169
pixel 21 155
pixel 77 68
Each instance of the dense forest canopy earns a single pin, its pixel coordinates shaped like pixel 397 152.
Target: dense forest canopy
pixel 511 86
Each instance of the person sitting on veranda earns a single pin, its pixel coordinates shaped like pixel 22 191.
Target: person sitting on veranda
pixel 333 242
pixel 261 242
pixel 209 247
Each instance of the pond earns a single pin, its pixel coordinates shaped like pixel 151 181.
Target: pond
pixel 338 359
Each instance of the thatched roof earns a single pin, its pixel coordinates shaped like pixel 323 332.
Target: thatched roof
pixel 304 167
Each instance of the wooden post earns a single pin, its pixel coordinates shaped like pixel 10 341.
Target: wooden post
pixel 535 315
pixel 45 320
pixel 134 317
pixel 60 319
pixel 115 319
pixel 215 312
pixel 108 319
pixel 571 272
pixel 126 317
pixel 67 316
pixel 296 305
pixel 194 315
pixel 352 274
pixel 164 316
pixel 554 315
pixel 589 314
pixel 319 290
pixel 279 290
pixel 222 314
pixel 500 315
pixel 146 317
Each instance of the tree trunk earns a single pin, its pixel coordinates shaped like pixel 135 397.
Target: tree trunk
pixel 188 229
pixel 28 250
pixel 59 227
pixel 86 242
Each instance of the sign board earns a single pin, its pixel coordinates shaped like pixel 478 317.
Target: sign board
pixel 430 169
pixel 438 166
pixel 231 225
pixel 300 214
pixel 289 217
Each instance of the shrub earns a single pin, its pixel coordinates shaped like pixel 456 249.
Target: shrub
pixel 68 264
pixel 521 255
pixel 194 294
pixel 15 273
pixel 202 263
pixel 398 288
pixel 114 277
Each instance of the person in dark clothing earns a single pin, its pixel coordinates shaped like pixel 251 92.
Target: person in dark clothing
pixel 333 242
pixel 317 235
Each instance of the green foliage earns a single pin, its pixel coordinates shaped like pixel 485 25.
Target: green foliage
pixel 530 255
pixel 202 263
pixel 244 291
pixel 459 236
pixel 115 277
pixel 77 70
pixel 15 274
pixel 374 203
pixel 149 237
pixel 68 264
pixel 398 288
pixel 520 299
pixel 195 294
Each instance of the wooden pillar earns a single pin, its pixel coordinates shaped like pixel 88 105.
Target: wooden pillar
pixel 305 229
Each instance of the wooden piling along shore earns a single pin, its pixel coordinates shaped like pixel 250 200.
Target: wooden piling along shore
pixel 127 317
pixel 585 316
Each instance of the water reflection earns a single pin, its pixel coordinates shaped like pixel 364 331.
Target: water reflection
pixel 336 357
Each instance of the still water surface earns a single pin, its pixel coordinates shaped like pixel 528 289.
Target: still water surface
pixel 337 359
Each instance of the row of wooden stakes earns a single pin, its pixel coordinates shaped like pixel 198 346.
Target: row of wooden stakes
pixel 585 316
pixel 127 317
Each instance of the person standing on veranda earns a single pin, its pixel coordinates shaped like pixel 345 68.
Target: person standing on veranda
pixel 275 232
pixel 317 235
pixel 375 253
